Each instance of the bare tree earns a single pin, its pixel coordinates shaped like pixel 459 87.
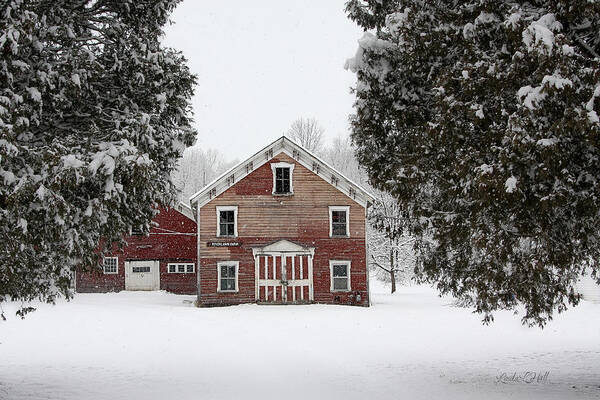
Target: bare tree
pixel 340 155
pixel 390 248
pixel 198 167
pixel 307 132
pixel 391 253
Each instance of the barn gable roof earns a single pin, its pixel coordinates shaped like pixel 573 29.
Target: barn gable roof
pixel 295 151
pixel 184 209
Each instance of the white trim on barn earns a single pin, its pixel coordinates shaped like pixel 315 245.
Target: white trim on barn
pixel 348 265
pixel 185 268
pixel 236 264
pixel 293 150
pixel 274 166
pixel 282 250
pixel 339 208
pixel 235 220
pixel 184 209
pixel 198 253
pixel 104 265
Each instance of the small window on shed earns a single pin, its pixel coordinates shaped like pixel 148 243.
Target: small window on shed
pixel 110 265
pixel 183 268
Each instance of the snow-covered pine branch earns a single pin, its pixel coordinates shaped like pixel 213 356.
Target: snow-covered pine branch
pixel 94 113
pixel 481 120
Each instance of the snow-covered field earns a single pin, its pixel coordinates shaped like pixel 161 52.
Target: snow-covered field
pixel 412 345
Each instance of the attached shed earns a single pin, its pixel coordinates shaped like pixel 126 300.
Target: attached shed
pixel 165 259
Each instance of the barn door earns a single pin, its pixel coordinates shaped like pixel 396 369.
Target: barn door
pixel 284 278
pixel 142 275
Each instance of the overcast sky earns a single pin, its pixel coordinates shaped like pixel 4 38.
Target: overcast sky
pixel 261 64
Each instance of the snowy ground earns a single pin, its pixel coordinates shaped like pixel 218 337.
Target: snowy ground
pixel 412 345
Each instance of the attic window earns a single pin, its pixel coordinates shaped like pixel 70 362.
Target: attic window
pixel 282 178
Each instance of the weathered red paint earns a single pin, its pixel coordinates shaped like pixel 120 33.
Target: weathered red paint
pixel 264 218
pixel 172 240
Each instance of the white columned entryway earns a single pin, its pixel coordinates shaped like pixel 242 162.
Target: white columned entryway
pixel 283 271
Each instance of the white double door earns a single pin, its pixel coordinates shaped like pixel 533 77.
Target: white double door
pixel 142 275
pixel 283 278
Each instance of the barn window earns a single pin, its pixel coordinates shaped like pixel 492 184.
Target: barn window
pixel 340 275
pixel 227 272
pixel 338 221
pixel 227 221
pixel 180 268
pixel 282 180
pixel 283 183
pixel 111 265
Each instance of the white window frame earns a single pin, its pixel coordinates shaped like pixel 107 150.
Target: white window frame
pixel 283 165
pixel 237 276
pixel 349 268
pixel 339 208
pixel 104 266
pixel 181 263
pixel 235 219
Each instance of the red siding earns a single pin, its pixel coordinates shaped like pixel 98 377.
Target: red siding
pixel 173 240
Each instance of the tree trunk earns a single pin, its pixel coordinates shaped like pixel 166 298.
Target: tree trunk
pixel 392 272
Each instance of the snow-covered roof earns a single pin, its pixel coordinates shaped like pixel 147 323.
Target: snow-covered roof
pixel 264 155
pixel 185 210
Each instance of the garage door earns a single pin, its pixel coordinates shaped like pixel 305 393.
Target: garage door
pixel 142 275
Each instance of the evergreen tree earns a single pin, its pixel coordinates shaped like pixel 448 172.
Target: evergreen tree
pixel 94 114
pixel 481 119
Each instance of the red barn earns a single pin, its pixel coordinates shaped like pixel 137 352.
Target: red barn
pixel 282 227
pixel 166 259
